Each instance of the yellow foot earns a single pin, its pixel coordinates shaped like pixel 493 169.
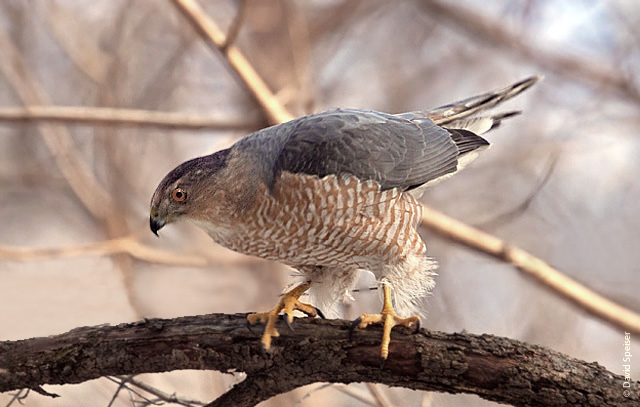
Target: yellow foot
pixel 289 303
pixel 389 319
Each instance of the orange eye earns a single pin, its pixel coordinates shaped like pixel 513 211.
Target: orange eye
pixel 179 195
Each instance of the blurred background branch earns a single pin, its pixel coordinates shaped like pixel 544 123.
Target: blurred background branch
pixel 495 34
pixel 128 117
pixel 57 139
pixel 206 27
pixel 551 278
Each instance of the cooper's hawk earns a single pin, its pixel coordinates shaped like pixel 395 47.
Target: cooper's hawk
pixel 331 194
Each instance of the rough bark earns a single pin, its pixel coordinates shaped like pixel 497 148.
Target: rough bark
pixel 494 368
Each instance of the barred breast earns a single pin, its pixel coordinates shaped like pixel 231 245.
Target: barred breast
pixel 331 221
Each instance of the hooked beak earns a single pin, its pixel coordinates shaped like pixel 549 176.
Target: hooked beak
pixel 156 223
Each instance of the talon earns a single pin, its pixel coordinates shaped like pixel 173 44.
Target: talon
pixel 383 360
pixel 353 327
pixel 417 323
pixel 287 319
pixel 320 314
pixel 288 303
pixel 388 318
pixel 249 328
pixel 265 349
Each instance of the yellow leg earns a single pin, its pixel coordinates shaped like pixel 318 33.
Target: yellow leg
pixel 388 318
pixel 289 303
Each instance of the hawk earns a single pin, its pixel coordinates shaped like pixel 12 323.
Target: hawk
pixel 331 194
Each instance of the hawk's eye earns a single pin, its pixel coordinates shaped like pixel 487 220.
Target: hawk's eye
pixel 179 195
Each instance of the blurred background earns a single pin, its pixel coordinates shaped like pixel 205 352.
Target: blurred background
pixel 560 180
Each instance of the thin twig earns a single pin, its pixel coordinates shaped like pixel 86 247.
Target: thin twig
pixel 169 398
pixel 377 395
pixel 122 382
pixel 523 206
pixel 311 392
pixel 111 116
pixel 351 393
pixel 121 385
pixel 18 397
pixel 236 24
pixel 341 388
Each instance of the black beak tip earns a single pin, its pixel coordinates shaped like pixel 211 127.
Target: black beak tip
pixel 154 225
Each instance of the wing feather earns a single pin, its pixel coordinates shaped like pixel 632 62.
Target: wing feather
pixel 445 115
pixel 403 151
pixel 395 152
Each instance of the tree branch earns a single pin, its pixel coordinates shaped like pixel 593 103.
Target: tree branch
pixel 494 368
pixel 126 117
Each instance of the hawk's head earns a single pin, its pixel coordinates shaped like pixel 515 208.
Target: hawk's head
pixel 187 190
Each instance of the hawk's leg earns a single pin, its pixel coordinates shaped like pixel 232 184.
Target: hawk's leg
pixel 388 318
pixel 289 303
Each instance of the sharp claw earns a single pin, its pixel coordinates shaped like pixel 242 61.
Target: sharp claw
pixel 286 319
pixel 382 362
pixel 320 314
pixel 249 327
pixel 353 326
pixel 417 323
